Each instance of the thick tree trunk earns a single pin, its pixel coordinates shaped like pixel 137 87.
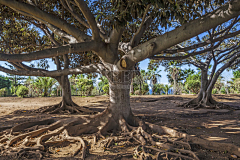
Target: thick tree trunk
pixel 119 95
pixel 66 89
pixel 119 100
pixel 67 104
pixel 204 98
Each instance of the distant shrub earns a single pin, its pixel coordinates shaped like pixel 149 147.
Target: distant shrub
pixel 22 91
pixel 214 91
pixel 106 89
pixel 223 90
pixel 2 92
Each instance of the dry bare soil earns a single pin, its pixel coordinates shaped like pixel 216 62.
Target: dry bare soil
pixel 213 125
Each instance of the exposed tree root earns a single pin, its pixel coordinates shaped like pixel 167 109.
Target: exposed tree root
pixel 208 105
pixel 63 107
pixel 150 141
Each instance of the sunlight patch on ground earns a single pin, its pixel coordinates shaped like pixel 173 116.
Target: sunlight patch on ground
pixel 229 124
pixel 237 132
pixel 216 138
pixel 231 127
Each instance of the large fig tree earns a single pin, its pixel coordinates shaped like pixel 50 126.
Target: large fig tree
pixel 121 34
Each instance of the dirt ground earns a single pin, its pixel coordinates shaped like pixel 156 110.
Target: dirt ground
pixel 213 125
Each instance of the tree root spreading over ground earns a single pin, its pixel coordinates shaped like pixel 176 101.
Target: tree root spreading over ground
pixel 38 139
pixel 209 105
pixel 62 108
pixel 69 108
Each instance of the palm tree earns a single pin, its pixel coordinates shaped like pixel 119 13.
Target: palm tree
pixel 44 84
pixel 153 75
pixel 158 89
pixel 102 83
pixel 166 88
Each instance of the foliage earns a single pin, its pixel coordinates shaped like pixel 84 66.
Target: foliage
pixel 234 85
pixel 102 83
pixel 193 83
pixel 153 75
pixel 219 85
pixel 85 85
pixel 4 82
pixel 105 89
pixel 166 88
pixel 236 74
pixel 158 89
pixel 43 85
pixel 22 91
pixel 140 84
pixel 15 81
pixel 4 92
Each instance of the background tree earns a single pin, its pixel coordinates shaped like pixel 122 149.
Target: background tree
pixel 45 84
pixel 116 56
pixel 140 84
pixel 235 83
pixel 193 83
pixel 166 88
pixel 223 54
pixel 158 89
pixel 153 75
pixel 174 72
pixel 103 82
pixel 217 89
pixel 29 83
pixel 85 85
pixel 5 85
pixel 22 91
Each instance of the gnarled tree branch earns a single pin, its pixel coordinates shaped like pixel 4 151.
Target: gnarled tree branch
pixel 44 73
pixel 146 21
pixel 52 52
pixel 90 18
pixel 180 34
pixel 207 42
pixel 36 12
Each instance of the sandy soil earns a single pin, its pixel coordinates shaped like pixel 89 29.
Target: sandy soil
pixel 214 125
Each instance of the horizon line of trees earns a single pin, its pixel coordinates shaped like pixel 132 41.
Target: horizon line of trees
pixel 146 83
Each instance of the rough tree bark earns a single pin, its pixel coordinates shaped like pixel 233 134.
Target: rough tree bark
pixel 119 89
